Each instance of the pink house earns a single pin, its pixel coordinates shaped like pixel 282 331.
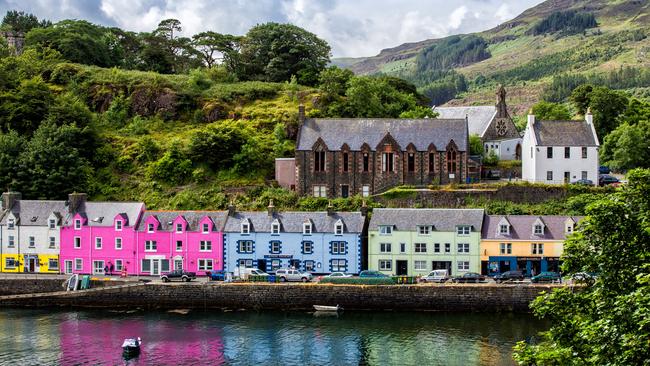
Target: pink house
pixel 189 240
pixel 99 235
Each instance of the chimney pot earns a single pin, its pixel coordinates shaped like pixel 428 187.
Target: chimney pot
pixel 232 209
pixel 271 208
pixel 9 199
pixel 364 208
pixel 301 114
pixel 330 209
pixel 75 200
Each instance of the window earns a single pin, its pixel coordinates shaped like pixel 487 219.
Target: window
pixel 119 265
pixel 338 228
pixel 150 246
pixel 320 191
pixel 68 266
pixel 385 247
pixel 53 264
pixel 118 225
pixel 411 163
pixel 319 161
pixel 307 247
pixel 504 229
pixel 78 264
pixel 431 162
pixel 385 230
pixel 52 242
pixel 98 267
pixel 420 247
pixel 339 265
pixel 52 223
pixel 584 152
pixel 463 230
pixel 275 228
pixel 205 246
pixel 447 248
pixel 11 242
pixel 77 242
pixel 179 245
pixel 463 247
pixel 77 224
pixel 537 248
pixel 276 247
pixel 451 161
pixel 506 248
pixel 98 243
pixel 567 152
pixel 32 242
pixel 10 263
pixel 206 228
pixel 538 229
pixel 424 230
pixel 402 247
pixel 309 266
pixel 420 265
pixel 436 248
pixel 150 228
pixel 365 190
pixel 385 265
pixel 569 228
pixel 306 228
pixel 276 264
pixel 245 228
pixel 338 247
pixel 549 175
pixel 463 266
pixel 366 162
pixel 179 227
pixel 345 162
pixel 205 264
pixel 248 263
pixel 246 246
pixel 10 224
pixel 549 152
pixel 387 161
pixel 584 174
pixel 146 265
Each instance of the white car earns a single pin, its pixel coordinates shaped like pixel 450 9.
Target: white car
pixel 285 275
pixel 438 275
pixel 339 275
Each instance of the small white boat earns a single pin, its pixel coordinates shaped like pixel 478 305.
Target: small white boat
pixel 131 346
pixel 327 308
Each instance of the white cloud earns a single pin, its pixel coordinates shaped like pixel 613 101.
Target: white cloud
pixel 456 17
pixel 503 12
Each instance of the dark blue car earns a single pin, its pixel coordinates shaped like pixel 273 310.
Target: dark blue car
pixel 217 275
pixel 603 170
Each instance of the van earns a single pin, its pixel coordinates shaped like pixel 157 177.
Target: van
pixel 438 275
pixel 244 272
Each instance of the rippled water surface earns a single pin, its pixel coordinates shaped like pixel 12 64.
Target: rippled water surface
pixel 49 337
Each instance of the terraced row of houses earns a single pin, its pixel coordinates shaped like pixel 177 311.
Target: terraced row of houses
pixel 81 236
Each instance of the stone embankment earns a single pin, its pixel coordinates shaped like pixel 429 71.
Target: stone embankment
pixel 207 296
pixel 35 284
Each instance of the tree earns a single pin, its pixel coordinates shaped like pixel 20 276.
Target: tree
pixel 217 144
pixel 606 322
pixel 605 104
pixel 19 21
pixel 173 167
pixel 167 27
pixel 11 147
pixel 216 48
pixel 274 52
pixel 475 144
pixel 551 111
pixel 419 112
pixel 580 97
pixel 23 110
pixel 375 98
pixel 628 146
pixel 333 81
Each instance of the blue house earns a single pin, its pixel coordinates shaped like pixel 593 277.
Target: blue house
pixel 317 242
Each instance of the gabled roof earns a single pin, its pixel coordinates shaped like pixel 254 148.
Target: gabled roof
pixel 522 227
pixel 292 221
pixel 478 117
pixel 356 131
pixel 193 218
pixel 442 219
pixel 564 133
pixel 107 211
pixel 35 212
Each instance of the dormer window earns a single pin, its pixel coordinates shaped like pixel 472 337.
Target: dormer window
pixel 206 228
pixel 463 230
pixel 245 228
pixel 118 225
pixel 338 228
pixel 569 228
pixel 538 229
pixel 385 230
pixel 179 227
pixel 504 229
pixel 150 228
pixel 52 223
pixel 77 224
pixel 306 228
pixel 424 230
pixel 11 224
pixel 275 227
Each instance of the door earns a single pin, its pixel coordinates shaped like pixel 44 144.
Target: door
pixel 155 267
pixel 567 177
pixel 402 268
pixel 345 191
pixel 178 264
pixel 518 152
pixel 442 265
pixel 68 267
pixel 31 264
pixel 295 263
pixel 261 265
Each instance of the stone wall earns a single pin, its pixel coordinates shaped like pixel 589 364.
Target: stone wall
pixel 477 298
pixel 41 285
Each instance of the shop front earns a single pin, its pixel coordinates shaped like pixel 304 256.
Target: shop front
pixel 530 266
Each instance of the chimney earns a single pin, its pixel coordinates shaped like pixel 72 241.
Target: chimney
pixel 589 117
pixel 9 199
pixel 330 209
pixel 271 208
pixel 75 201
pixel 364 209
pixel 531 117
pixel 232 209
pixel 301 114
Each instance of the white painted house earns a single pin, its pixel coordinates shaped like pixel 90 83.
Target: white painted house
pixel 558 152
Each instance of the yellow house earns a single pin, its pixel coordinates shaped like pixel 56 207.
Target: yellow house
pixel 531 244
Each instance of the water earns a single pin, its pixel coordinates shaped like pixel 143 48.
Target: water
pixel 50 337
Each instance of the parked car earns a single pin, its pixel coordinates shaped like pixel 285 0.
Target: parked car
pixel 372 274
pixel 603 170
pixel 217 275
pixel 584 277
pixel 292 275
pixel 338 275
pixel 178 274
pixel 469 277
pixel 584 182
pixel 245 272
pixel 606 179
pixel 546 277
pixel 438 275
pixel 509 276
pixel 493 174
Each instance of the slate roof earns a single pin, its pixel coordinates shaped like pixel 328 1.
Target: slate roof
pixel 36 212
pixel 291 222
pixel 166 219
pixel 357 131
pixel 564 133
pixel 478 117
pixel 522 227
pixel 103 213
pixel 408 219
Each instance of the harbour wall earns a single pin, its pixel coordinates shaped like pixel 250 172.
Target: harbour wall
pixel 209 296
pixel 9 286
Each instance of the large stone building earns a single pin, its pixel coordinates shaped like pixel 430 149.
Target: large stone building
pixel 492 124
pixel 344 157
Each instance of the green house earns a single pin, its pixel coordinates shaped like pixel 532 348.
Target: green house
pixel 413 242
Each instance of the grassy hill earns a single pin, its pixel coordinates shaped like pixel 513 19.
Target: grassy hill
pixel 527 52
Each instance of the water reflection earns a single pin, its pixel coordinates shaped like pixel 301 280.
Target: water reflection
pixel 244 338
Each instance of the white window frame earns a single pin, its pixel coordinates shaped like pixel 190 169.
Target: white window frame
pixel 339 265
pixel 306 228
pixel 245 246
pixel 11 224
pixel 205 264
pixel 179 227
pixel 447 247
pixel 365 190
pixel 52 242
pixel 386 230
pixel 77 224
pixel 273 247
pixel 385 247
pixel 540 231
pixel 76 242
pixel 98 242
pixel 308 244
pixel 119 265
pixel 11 241
pixel 463 248
pixel 205 227
pixel 338 228
pixel 205 246
pixel 505 248
pixel 463 230
pixel 320 191
pixel 424 230
pixel 51 223
pixel 32 242
pixel 150 227
pixel 179 248
pixel 78 264
pixel 118 225
pixel 65 266
pixel 50 266
pixel 420 265
pixel 338 247
pixel 402 247
pixel 385 265
pixel 118 243
pixel 245 228
pixel 506 227
pixel 150 245
pixel 436 247
pixel 98 266
pixel 275 228
pixel 462 266
pixel 420 247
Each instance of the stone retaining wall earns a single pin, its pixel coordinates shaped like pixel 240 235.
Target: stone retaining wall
pixel 40 285
pixel 477 298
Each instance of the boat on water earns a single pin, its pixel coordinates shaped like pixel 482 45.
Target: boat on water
pixel 328 308
pixel 131 346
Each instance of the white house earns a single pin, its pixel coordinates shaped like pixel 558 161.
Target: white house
pixel 492 124
pixel 557 152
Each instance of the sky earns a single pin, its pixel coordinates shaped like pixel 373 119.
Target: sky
pixel 353 28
